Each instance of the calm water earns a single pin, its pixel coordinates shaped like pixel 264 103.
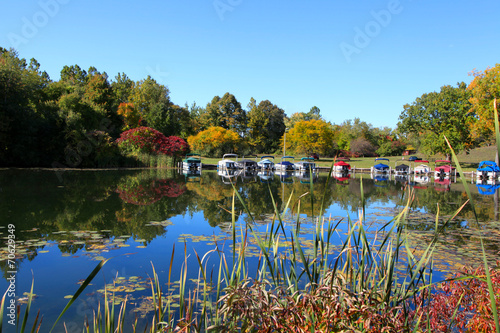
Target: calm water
pixel 65 223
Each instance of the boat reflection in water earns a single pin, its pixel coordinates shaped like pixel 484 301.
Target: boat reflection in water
pixel 341 176
pixel 443 184
pixel 404 179
pixel 381 179
pixel 228 176
pixel 192 175
pixel 265 176
pixel 487 189
pixel 286 177
pixel 305 176
pixel 248 175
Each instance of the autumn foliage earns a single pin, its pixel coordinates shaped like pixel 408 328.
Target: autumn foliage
pixel 150 141
pixel 130 114
pixel 147 192
pixel 215 141
pixel 462 304
pixel 485 87
pixel 311 136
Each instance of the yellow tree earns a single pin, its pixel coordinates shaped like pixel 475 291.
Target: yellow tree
pixel 485 87
pixel 131 116
pixel 311 136
pixel 215 141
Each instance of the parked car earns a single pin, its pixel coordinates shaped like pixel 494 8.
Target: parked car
pixel 315 156
pixel 413 158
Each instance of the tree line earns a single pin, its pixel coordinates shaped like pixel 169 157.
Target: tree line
pixel 78 120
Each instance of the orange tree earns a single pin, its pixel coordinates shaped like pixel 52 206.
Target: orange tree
pixel 131 116
pixel 485 87
pixel 311 136
pixel 215 141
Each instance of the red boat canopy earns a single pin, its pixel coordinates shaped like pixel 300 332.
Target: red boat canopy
pixel 445 168
pixel 342 163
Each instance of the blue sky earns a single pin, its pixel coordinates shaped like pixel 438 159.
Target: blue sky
pixel 358 59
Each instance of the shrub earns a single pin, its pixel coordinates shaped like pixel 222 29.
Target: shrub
pixel 145 192
pixel 363 147
pixel 462 303
pixel 105 153
pixel 147 140
pixel 391 148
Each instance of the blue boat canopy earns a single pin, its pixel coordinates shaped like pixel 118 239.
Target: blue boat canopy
pixel 488 166
pixel 381 166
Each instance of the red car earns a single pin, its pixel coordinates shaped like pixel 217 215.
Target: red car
pixel 315 156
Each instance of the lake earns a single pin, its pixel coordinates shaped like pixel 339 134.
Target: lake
pixel 65 222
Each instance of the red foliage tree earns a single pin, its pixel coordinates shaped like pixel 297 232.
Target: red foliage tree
pixel 148 140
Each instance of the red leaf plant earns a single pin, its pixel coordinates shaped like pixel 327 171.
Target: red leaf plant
pixel 148 140
pixel 462 304
pixel 149 191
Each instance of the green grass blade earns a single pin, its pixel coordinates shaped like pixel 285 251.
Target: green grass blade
pixel 497 129
pixel 81 289
pixel 2 309
pixel 28 306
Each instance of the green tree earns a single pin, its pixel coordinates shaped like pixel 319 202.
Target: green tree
pixel 295 118
pixel 98 93
pixel 122 87
pixel 86 104
pixel 436 114
pixel 313 114
pixel 227 113
pixel 275 126
pixel 74 75
pixel 257 127
pixel 29 125
pixel 153 102
pixel 391 148
pixel 195 119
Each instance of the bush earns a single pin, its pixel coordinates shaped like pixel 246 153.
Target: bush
pixel 106 153
pixel 363 147
pixel 142 140
pixel 146 140
pixel 391 148
pixel 462 303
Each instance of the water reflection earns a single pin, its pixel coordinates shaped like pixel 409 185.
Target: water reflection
pixel 122 201
pixel 140 214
